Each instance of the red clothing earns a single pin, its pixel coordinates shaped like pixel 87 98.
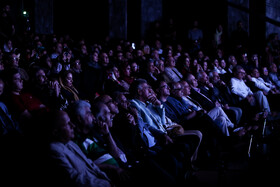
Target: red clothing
pixel 26 101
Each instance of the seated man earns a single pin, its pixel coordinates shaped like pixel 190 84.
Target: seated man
pixel 251 102
pixel 268 89
pixel 172 128
pixel 107 155
pixel 217 113
pixel 70 163
pixel 139 164
pixel 190 119
pixel 157 141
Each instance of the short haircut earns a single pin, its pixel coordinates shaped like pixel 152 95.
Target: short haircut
pixel 135 85
pixel 79 107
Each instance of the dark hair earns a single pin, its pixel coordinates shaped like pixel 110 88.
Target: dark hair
pixel 135 85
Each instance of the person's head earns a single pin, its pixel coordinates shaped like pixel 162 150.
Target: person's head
pixel 120 99
pixel 81 113
pixel 150 66
pixel 60 126
pixel 66 78
pixel 265 71
pixel 107 99
pixel 160 65
pixel 125 70
pixel 186 89
pixel 134 67
pixel 104 59
pixel 170 62
pixel 94 56
pixel 102 113
pixel 190 78
pixel 202 77
pixel 40 77
pixel 223 63
pixel 273 68
pixel 214 77
pixel 239 72
pixel 176 89
pixel 232 60
pixel 14 80
pixel 162 88
pixel 13 60
pixel 255 73
pixel 76 64
pixel 140 89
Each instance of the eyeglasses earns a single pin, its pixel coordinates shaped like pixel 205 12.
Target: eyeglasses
pixel 164 86
pixel 241 72
pixel 176 89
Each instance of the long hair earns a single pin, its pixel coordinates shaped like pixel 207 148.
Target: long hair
pixel 72 89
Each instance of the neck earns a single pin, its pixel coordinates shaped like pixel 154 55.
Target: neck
pixel 163 98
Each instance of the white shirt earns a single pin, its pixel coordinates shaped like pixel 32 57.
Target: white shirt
pixel 259 83
pixel 240 88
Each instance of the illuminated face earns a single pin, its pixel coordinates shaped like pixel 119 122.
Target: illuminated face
pixel 164 89
pixel 65 128
pixel 69 80
pixel 186 89
pixel 177 90
pixel 17 82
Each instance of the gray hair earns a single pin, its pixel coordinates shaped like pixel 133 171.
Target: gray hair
pixel 79 107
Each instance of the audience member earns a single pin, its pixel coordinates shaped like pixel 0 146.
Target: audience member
pixel 69 162
pixel 157 141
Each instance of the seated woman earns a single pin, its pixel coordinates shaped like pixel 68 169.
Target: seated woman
pixel 68 90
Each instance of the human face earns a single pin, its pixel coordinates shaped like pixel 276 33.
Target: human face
pixel 273 68
pixel 104 59
pixel 69 80
pixel 151 67
pixel 134 67
pixel 17 82
pixel 240 74
pixel 164 89
pixel 88 117
pixel 41 77
pixel 106 116
pixel 111 104
pixel 193 81
pixel 95 57
pixel 223 63
pixel 127 71
pixel 216 77
pixel 65 128
pixel 171 62
pixel 187 62
pixel 177 90
pixel 204 79
pixel 255 73
pixel 161 65
pixel 186 89
pixel 116 72
pixel 123 102
pixel 145 92
pixel 15 60
pixel 265 70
